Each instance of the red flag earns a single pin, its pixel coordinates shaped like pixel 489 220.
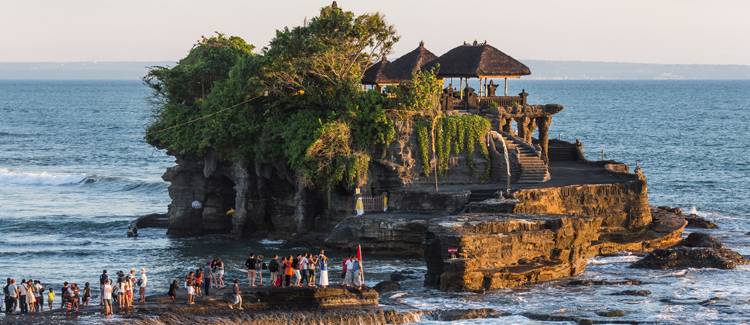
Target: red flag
pixel 359 252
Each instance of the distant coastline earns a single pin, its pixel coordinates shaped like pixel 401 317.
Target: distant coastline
pixel 540 70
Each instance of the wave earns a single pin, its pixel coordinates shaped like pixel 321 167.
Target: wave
pixel 12 177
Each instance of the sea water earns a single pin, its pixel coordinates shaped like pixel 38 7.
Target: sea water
pixel 75 170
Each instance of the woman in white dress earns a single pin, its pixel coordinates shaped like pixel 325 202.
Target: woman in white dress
pixel 323 269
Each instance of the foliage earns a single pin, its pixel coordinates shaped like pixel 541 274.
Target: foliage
pixel 421 93
pixel 454 134
pixel 299 101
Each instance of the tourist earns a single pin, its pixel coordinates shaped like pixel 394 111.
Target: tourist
pixel 190 288
pixel 220 272
pixel 30 297
pixel 12 294
pixel 38 293
pixel 250 267
pixel 133 279
pixel 86 294
pixel 288 271
pixel 6 296
pixel 297 270
pixel 273 268
pixel 127 289
pixel 323 269
pixel 173 290
pixel 214 270
pixel 207 278
pixel 143 284
pixel 304 267
pixel 107 296
pixel 64 302
pixel 343 271
pixel 349 274
pixel 50 297
pixel 103 279
pixel 259 266
pixel 237 295
pixel 312 265
pixel 356 273
pixel 120 293
pixel 75 296
pixel 198 281
pixel 22 297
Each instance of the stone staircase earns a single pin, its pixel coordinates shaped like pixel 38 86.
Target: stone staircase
pixel 532 168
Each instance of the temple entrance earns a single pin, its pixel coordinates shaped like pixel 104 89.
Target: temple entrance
pixel 220 196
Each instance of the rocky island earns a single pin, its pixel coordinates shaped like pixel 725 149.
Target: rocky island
pixel 321 139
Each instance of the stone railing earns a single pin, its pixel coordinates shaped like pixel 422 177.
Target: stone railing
pixel 377 203
pixel 501 101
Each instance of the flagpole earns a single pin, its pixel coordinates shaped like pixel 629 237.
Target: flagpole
pixel 361 269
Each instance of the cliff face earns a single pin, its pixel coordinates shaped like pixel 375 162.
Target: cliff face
pixel 495 251
pixel 623 206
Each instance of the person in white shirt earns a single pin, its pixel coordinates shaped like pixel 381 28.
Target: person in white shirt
pixel 304 267
pixel 143 283
pixel 22 297
pixel 349 278
pixel 107 297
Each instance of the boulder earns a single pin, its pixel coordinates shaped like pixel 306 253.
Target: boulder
pixel 695 221
pixel 691 257
pixel 698 239
pixel 403 275
pixel 387 286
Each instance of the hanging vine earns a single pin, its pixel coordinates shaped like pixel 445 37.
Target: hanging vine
pixel 454 134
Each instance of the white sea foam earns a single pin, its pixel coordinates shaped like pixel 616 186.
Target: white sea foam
pixel 614 259
pixel 12 177
pixel 270 242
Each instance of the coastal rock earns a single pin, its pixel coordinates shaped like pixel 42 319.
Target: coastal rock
pixel 611 313
pixel 462 314
pixel 641 293
pixel 387 286
pixel 698 250
pixel 590 282
pixel 695 221
pixel 152 220
pixel 382 234
pixel 502 251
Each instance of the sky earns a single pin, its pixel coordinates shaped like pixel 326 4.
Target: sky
pixel 646 31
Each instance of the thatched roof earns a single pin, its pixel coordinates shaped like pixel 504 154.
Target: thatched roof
pixel 375 74
pixel 384 72
pixel 478 60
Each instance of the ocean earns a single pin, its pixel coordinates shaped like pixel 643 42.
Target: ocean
pixel 75 170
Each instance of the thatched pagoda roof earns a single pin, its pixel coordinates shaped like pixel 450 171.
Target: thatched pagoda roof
pixel 384 72
pixel 375 74
pixel 478 60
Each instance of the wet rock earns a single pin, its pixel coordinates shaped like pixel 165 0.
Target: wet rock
pixel 641 293
pixel 387 286
pixel 152 220
pixel 590 282
pixel 611 313
pixel 695 221
pixel 698 239
pixel 403 275
pixel 691 257
pixel 461 314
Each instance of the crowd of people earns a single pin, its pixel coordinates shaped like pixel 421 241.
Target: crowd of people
pixel 310 270
pixel 27 297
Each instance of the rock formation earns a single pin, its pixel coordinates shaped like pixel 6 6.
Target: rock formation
pixel 698 250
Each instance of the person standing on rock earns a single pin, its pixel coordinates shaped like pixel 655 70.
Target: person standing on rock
pixel 172 293
pixel 273 268
pixel 343 271
pixel 143 284
pixel 103 279
pixel 106 297
pixel 237 295
pixel 250 267
pixel 349 274
pixel 323 269
pixel 297 271
pixel 259 266
pixel 220 272
pixel 312 265
pixel 304 267
pixel 207 278
pixel 288 271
